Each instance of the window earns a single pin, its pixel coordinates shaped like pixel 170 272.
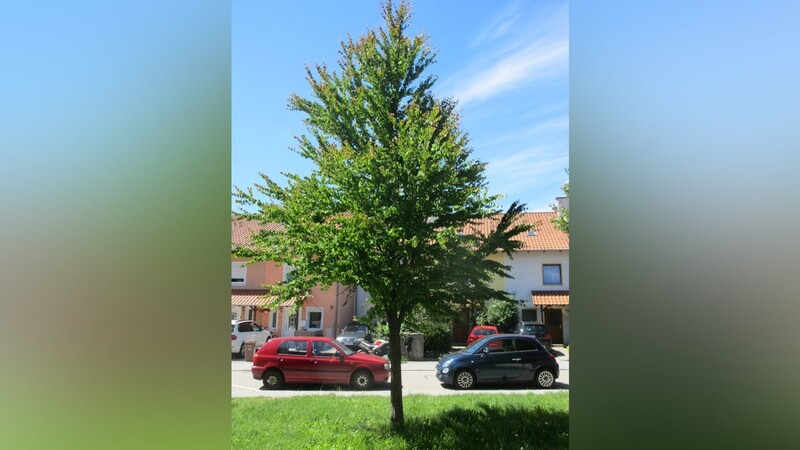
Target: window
pixel 551 274
pixel 293 348
pixel 245 327
pixel 287 269
pixel 274 319
pixel 324 349
pixel 256 327
pixel 238 273
pixel 529 315
pixel 314 318
pixel 526 345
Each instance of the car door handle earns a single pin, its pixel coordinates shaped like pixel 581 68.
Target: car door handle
pixel 516 359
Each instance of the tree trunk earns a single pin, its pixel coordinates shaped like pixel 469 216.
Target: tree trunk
pixel 398 420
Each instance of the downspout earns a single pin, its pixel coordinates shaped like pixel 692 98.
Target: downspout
pixel 336 314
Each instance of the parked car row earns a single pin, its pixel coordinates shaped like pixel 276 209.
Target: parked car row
pixel 494 358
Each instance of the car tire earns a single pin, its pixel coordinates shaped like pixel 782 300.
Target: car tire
pixel 241 351
pixel 272 379
pixel 545 379
pixel 464 379
pixel 362 380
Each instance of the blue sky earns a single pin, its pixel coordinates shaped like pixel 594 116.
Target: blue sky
pixel 506 62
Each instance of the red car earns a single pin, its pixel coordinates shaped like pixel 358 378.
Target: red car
pixel 479 332
pixel 311 359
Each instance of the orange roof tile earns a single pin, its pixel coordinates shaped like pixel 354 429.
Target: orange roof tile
pixel 242 230
pixel 546 236
pixel 550 298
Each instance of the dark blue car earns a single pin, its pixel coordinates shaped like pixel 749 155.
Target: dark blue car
pixel 500 358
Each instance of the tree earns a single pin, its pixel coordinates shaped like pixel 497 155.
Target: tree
pixel 392 196
pixel 561 221
pixel 502 313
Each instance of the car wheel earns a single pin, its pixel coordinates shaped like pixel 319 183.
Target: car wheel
pixel 464 380
pixel 272 379
pixel 362 380
pixel 241 352
pixel 545 379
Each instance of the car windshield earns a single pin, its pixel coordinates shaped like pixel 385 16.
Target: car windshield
pixel 483 332
pixel 355 329
pixel 535 329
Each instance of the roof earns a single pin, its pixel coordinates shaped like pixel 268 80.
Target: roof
pixel 550 298
pixel 242 230
pixel 546 237
pixel 252 297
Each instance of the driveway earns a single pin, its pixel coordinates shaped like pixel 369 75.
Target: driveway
pixel 419 377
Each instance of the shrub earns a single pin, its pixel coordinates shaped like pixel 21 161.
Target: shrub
pixel 502 313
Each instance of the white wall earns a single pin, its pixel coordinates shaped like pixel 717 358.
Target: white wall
pixel 526 268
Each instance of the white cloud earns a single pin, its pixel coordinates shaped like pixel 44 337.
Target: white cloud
pixel 543 59
pixel 522 174
pixel 499 25
pixel 527 45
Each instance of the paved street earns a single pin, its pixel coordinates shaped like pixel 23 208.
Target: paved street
pixel 419 377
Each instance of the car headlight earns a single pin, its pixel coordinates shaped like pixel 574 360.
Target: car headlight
pixel 387 366
pixel 445 370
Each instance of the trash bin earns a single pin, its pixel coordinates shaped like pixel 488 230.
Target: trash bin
pixel 249 349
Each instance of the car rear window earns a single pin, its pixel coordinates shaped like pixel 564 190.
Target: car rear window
pixel 483 332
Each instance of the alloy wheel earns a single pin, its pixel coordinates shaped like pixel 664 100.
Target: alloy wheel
pixel 465 379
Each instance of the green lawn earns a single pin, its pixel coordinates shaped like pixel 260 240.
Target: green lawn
pixel 475 421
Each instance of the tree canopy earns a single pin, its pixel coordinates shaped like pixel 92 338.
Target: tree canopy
pixel 393 193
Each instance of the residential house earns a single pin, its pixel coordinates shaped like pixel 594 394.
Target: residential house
pixel 540 271
pixel 324 313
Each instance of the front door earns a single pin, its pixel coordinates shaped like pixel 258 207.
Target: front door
pixel 290 322
pixel 328 365
pixel 552 319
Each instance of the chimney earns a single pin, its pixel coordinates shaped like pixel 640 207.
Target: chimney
pixel 563 204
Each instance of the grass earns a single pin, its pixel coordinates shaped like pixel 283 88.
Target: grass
pixel 478 421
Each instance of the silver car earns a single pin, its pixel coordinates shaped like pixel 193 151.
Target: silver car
pixel 352 333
